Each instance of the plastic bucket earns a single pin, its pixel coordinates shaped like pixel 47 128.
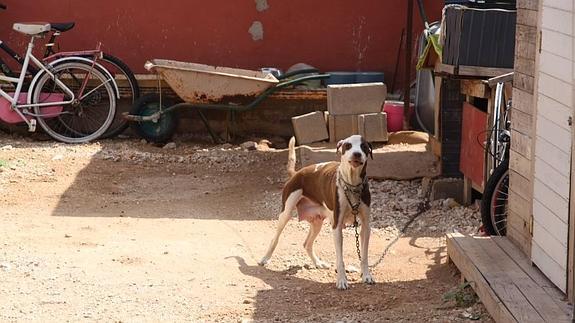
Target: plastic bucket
pixel 394 111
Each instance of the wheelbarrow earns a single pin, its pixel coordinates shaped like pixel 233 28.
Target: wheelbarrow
pixel 205 87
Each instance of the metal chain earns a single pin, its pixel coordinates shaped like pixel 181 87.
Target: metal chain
pixel 356 224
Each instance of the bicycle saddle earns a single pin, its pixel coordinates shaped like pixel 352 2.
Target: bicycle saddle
pixel 32 28
pixel 62 26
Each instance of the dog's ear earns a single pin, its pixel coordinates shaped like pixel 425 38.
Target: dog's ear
pixel 339 144
pixel 370 150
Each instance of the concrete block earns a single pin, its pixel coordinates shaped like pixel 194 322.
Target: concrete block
pixel 310 128
pixel 444 188
pixel 397 162
pixel 345 99
pixel 373 126
pixel 341 126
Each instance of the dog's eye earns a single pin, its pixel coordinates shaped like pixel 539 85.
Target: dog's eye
pixel 364 147
pixel 347 146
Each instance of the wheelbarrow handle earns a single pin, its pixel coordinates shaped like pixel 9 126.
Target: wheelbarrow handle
pixel 292 73
pixel 300 80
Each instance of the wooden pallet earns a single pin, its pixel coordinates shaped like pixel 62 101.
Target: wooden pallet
pixel 511 289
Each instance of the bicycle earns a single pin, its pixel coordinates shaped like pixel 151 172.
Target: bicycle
pixel 72 98
pixel 494 203
pixel 109 64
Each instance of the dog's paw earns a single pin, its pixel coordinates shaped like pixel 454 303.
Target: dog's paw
pixel 321 264
pixel 342 284
pixel 264 261
pixel 368 279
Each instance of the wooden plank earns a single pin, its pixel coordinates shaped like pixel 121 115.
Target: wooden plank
pixel 490 300
pixel 526 50
pixel 552 247
pixel 535 295
pixel 489 264
pixel 553 179
pixel 524 65
pixel 475 88
pixel 521 240
pixel 528 4
pixel 555 112
pixel 521 122
pixel 557 20
pixel 525 263
pixel 519 224
pixel 444 69
pixel 553 222
pixel 549 267
pixel 523 101
pixel 435 146
pixel 437 107
pixel 555 65
pixel 471 157
pixel 550 199
pixel 520 164
pixel 520 185
pixel 553 134
pixel 519 205
pixel 553 156
pixel 527 17
pixel 481 71
pixel 521 144
pixel 467 191
pixel 557 41
pixel 526 34
pixel 555 88
pixel 524 82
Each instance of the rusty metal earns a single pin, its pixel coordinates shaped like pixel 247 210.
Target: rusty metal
pixel 199 83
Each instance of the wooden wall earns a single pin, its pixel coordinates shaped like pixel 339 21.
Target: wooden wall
pixel 521 156
pixel 552 146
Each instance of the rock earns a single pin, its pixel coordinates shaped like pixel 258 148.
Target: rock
pixel 227 145
pixel 264 145
pixel 7 147
pixel 450 203
pixel 247 301
pixel 170 145
pixel 5 266
pixel 249 145
pixel 58 157
pixel 143 141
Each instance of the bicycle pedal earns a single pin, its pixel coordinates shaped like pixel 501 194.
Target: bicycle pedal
pixel 32 125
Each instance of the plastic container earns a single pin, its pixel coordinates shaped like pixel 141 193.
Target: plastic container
pixel 394 111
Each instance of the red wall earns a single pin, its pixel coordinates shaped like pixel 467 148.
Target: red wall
pixel 328 34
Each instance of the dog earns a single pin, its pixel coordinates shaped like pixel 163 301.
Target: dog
pixel 338 191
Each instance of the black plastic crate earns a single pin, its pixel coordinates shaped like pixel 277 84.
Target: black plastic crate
pixel 479 37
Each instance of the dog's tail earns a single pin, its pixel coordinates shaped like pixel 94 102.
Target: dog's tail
pixel 291 157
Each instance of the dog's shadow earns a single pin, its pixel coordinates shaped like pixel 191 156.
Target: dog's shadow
pixel 292 296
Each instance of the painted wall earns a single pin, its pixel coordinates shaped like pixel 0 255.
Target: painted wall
pixel 328 34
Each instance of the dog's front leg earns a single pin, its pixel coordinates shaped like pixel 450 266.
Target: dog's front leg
pixel 364 236
pixel 338 240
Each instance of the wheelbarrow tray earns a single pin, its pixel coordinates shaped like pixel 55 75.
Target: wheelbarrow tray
pixel 199 83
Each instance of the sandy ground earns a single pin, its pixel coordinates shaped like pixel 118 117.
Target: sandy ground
pixel 125 231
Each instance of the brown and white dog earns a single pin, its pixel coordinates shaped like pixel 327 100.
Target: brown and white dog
pixel 330 190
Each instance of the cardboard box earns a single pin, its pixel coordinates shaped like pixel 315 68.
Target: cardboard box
pixel 373 126
pixel 341 126
pixel 310 128
pixel 346 99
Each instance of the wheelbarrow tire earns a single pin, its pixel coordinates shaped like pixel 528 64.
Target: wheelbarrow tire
pixel 162 130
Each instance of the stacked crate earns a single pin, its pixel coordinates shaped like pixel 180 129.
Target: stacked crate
pixel 352 109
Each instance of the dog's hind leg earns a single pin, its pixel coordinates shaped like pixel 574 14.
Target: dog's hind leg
pixel 284 218
pixel 314 229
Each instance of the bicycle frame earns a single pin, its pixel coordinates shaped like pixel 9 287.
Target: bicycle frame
pixel 29 57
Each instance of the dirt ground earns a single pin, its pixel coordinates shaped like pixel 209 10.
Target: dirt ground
pixel 125 231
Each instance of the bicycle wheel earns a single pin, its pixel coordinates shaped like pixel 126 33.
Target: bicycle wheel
pixel 129 92
pixel 494 204
pixel 91 112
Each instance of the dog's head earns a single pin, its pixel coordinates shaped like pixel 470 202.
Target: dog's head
pixel 354 151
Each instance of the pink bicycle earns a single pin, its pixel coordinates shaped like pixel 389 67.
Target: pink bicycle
pixel 72 98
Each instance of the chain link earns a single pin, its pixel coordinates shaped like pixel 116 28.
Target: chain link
pixel 356 224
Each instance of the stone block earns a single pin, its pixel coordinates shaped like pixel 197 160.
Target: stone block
pixel 373 126
pixel 341 126
pixel 345 99
pixel 310 128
